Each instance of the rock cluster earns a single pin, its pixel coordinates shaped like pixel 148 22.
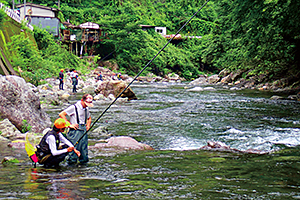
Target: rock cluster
pixel 239 79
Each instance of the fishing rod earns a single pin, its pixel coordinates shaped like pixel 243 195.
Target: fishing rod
pixel 107 108
pixel 106 56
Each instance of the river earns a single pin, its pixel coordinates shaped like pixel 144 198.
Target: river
pixel 177 122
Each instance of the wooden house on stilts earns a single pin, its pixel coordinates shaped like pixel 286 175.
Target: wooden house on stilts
pixel 82 38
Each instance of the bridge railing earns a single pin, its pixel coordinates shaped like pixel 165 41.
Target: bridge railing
pixel 13 15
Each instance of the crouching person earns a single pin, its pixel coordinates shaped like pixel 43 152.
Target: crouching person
pixel 54 147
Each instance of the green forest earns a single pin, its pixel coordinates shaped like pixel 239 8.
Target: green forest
pixel 261 36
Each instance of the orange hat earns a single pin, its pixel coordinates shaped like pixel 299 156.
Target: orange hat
pixel 62 70
pixel 61 123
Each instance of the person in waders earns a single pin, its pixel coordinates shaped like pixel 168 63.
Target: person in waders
pixel 80 120
pixel 49 151
pixel 74 78
pixel 61 79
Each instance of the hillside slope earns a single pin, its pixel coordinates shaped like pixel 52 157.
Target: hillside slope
pixel 8 29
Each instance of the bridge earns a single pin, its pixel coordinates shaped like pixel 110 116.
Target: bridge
pixel 180 37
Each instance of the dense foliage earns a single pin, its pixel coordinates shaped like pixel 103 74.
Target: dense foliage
pixel 257 35
pixel 2 17
pixel 40 60
pixel 133 48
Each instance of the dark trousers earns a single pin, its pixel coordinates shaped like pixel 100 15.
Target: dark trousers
pixel 82 146
pixel 53 161
pixel 74 88
pixel 61 84
pixel 74 83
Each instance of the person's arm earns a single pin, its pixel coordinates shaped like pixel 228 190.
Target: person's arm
pixel 63 115
pixel 88 123
pixel 52 145
pixel 67 142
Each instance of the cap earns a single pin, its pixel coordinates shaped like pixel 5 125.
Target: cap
pixel 89 101
pixel 62 70
pixel 61 123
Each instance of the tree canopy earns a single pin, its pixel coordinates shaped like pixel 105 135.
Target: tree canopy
pixel 257 35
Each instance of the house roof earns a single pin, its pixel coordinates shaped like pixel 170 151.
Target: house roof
pixel 37 6
pixel 89 25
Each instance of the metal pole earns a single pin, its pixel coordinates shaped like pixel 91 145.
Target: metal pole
pixel 24 8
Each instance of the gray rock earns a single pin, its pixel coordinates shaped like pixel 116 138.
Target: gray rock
pixel 8 130
pixel 275 97
pixel 18 102
pixel 213 79
pixel 199 81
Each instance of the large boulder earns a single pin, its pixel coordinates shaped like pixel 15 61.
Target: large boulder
pixel 121 143
pixel 199 81
pixel 18 102
pixel 115 87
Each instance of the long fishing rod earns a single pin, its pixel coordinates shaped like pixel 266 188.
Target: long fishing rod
pixel 106 56
pixel 107 108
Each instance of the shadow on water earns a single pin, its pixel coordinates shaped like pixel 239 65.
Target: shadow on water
pixel 177 122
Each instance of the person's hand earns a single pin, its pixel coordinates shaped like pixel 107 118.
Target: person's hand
pixel 74 126
pixel 69 149
pixel 87 127
pixel 77 152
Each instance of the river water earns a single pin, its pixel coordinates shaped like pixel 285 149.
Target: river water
pixel 177 122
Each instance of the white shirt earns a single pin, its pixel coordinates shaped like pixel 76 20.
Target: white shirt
pixel 52 144
pixel 81 112
pixel 73 74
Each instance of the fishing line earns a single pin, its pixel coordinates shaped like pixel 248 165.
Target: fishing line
pixel 107 108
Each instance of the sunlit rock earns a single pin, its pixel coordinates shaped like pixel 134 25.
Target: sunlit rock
pixel 8 130
pixel 115 88
pixel 121 143
pixel 199 81
pixel 209 89
pixel 196 89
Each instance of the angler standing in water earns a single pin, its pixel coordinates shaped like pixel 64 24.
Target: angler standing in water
pixel 74 78
pixel 61 79
pixel 49 151
pixel 80 120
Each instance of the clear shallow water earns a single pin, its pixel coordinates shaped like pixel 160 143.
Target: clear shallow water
pixel 177 122
pixel 171 117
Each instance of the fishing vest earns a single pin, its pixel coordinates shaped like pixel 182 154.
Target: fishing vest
pixel 61 76
pixel 43 148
